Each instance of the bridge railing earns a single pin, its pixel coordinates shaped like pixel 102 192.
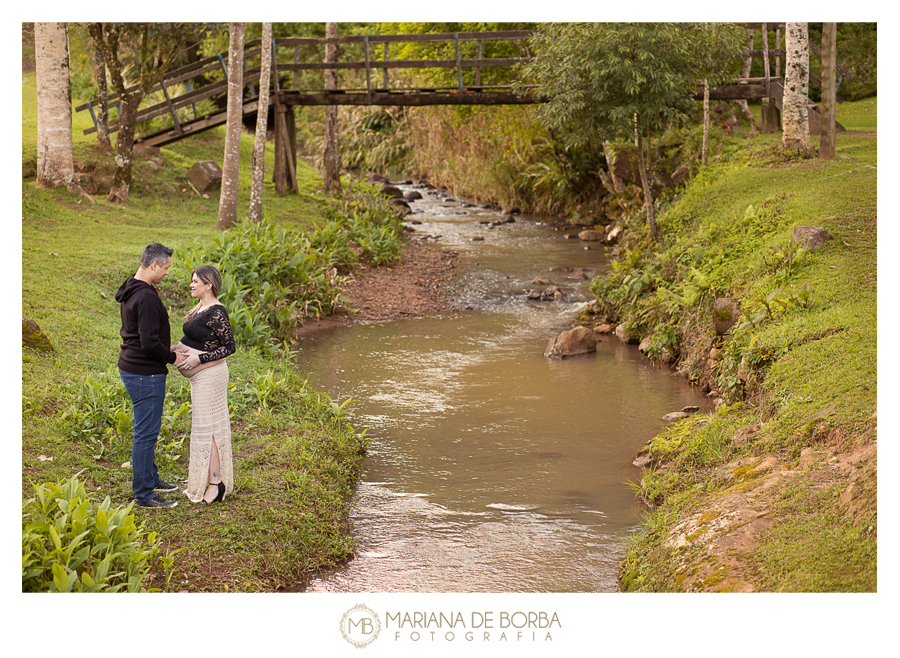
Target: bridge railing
pixel 377 57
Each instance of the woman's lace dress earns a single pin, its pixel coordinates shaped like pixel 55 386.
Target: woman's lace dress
pixel 209 331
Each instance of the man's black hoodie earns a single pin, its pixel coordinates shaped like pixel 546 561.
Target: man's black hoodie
pixel 146 335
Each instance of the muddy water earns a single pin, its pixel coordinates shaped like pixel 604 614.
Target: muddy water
pixel 492 468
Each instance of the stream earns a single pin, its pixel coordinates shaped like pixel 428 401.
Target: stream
pixel 491 468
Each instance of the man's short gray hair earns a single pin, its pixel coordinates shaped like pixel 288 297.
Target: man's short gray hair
pixel 155 253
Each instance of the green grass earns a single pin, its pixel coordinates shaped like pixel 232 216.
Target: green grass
pixel 859 116
pixel 804 360
pixel 819 550
pixel 295 463
pixel 855 116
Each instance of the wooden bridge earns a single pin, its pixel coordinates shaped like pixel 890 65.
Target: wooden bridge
pixel 373 76
pixel 286 68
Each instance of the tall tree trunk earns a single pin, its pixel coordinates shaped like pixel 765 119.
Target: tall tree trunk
pixel 795 117
pixel 54 99
pixel 829 90
pixel 704 151
pixel 745 73
pixel 645 183
pixel 262 116
pixel 122 179
pixel 103 102
pixel 106 40
pixel 332 155
pixel 617 186
pixel 229 193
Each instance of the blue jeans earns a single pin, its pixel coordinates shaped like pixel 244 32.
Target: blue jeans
pixel 147 395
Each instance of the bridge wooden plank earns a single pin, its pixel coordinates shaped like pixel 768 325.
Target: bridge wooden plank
pixel 181 101
pixel 200 125
pixel 406 64
pixel 412 99
pixel 733 92
pixel 508 35
pixel 460 95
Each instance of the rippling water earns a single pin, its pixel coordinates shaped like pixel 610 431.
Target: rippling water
pixel 492 468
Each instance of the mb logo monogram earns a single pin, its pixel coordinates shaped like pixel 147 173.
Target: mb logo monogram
pixel 360 626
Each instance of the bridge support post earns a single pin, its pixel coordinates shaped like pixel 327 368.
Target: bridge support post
pixel 771 121
pixel 829 90
pixel 285 174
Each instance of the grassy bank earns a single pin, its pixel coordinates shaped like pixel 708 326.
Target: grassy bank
pixel 296 456
pixel 776 490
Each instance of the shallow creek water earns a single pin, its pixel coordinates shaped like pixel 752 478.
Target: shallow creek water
pixel 492 468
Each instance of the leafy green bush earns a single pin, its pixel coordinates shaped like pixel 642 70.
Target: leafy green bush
pixel 332 240
pixel 380 244
pixel 272 278
pixel 374 224
pixel 70 544
pixel 747 254
pixel 100 413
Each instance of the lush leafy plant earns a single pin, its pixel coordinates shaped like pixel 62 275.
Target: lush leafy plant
pixel 372 139
pixel 71 544
pixel 100 413
pixel 272 278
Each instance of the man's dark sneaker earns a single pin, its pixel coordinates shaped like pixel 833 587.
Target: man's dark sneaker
pixel 159 501
pixel 165 486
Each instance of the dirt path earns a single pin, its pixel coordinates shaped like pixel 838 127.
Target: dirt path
pixel 411 288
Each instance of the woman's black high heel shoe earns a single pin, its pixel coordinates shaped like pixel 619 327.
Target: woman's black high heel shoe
pixel 220 496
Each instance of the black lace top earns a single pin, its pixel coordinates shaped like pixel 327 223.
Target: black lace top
pixel 210 332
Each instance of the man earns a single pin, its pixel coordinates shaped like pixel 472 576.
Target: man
pixel 143 359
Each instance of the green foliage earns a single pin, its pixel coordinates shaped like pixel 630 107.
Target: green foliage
pixel 602 77
pixel 857 52
pixel 266 391
pixel 100 414
pixel 372 139
pixel 609 81
pixel 272 278
pixel 71 544
pixel 447 77
pixel 784 259
pixel 285 391
pixel 363 218
pixel 801 363
pixel 724 253
pixel 560 176
pixel 665 339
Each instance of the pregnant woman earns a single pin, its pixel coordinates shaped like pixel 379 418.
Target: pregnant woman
pixel 207 341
